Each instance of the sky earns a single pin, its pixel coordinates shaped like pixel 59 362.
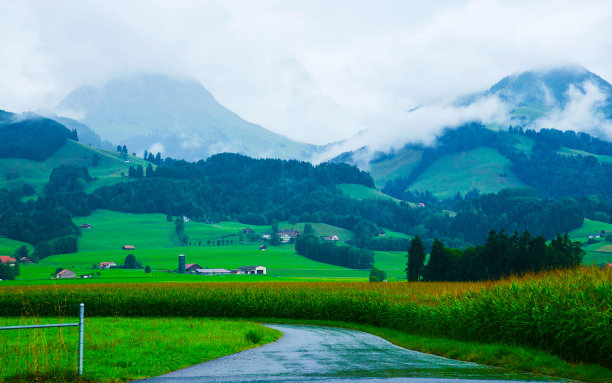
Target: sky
pixel 315 71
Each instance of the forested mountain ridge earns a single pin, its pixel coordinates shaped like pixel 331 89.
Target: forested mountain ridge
pixel 541 106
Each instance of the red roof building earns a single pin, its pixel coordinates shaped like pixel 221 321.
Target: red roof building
pixel 5 259
pixel 128 247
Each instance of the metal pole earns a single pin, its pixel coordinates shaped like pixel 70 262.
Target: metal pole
pixel 81 330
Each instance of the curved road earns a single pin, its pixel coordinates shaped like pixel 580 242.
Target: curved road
pixel 324 354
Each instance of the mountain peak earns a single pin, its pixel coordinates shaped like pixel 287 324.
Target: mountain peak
pixel 179 116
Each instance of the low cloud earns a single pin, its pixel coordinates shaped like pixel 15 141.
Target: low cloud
pixel 582 113
pixel 157 148
pixel 419 126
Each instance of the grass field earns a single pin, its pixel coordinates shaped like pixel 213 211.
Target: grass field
pixel 400 165
pixel 528 311
pixel 121 349
pixel 35 173
pixel 484 169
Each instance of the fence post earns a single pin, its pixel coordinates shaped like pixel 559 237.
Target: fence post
pixel 81 330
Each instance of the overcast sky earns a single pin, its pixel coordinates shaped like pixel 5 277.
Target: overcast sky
pixel 316 71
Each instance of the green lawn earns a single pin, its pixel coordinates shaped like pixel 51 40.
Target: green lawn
pixel 122 349
pixel 484 169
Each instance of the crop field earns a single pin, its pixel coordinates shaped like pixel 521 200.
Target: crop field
pixel 121 349
pixel 566 313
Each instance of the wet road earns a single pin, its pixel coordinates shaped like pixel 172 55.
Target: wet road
pixel 324 354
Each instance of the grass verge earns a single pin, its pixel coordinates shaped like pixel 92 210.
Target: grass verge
pixel 121 349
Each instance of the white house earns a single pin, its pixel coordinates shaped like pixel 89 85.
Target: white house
pixel 261 270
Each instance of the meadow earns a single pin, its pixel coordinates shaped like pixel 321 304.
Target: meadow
pixel 121 349
pixel 565 313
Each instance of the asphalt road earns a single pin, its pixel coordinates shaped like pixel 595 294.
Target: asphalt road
pixel 323 354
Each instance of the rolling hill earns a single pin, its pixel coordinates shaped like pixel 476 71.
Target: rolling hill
pixel 179 118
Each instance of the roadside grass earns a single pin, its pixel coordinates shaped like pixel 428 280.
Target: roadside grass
pixel 510 358
pixel 121 349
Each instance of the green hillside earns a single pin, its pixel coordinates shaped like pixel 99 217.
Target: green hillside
pixel 362 192
pixel 109 170
pixel 8 246
pixel 484 169
pixel 597 253
pixel 576 152
pixel 399 165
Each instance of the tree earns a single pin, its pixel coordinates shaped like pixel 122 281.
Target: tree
pixel 179 226
pixel 150 172
pixel 416 259
pixel 364 231
pixel 308 230
pixel 21 252
pixel 377 275
pixel 148 269
pixel 95 160
pixel 274 241
pixel 131 262
pixel 438 263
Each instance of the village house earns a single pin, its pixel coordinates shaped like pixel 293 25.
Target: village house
pixel 85 226
pixel 263 247
pixel 65 274
pixel 261 270
pixel 7 260
pixel 266 236
pixel 201 271
pixel 25 260
pixel 192 267
pixel 247 230
pixel 128 247
pixel 106 265
pixel 381 233
pixel 288 235
pixel 331 238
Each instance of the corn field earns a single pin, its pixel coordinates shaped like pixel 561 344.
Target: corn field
pixel 565 312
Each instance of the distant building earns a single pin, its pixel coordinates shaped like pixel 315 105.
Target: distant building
pixel 25 260
pixel 106 265
pixel 211 271
pixel 263 247
pixel 85 226
pixel 86 276
pixel 65 274
pixel 247 230
pixel 288 235
pixel 128 247
pixel 261 270
pixel 421 204
pixel 192 267
pixel 266 236
pixel 331 238
pixel 381 233
pixel 7 260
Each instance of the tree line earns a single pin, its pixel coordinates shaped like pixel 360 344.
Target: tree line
pixel 501 255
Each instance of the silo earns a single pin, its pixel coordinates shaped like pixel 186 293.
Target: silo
pixel 181 267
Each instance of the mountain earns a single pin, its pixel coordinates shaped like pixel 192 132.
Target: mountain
pixel 490 157
pixel 534 94
pixel 180 118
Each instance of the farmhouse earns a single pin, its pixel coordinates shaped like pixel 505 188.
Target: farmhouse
pixel 211 271
pixel 7 260
pixel 192 267
pixel 25 260
pixel 85 226
pixel 128 247
pixel 287 235
pixel 331 238
pixel 266 236
pixel 106 265
pixel 263 247
pixel 247 230
pixel 65 274
pixel 251 270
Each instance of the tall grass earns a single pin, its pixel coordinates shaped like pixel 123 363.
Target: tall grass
pixel 566 313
